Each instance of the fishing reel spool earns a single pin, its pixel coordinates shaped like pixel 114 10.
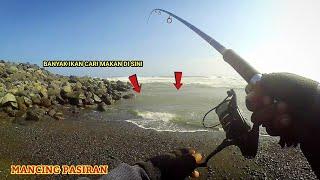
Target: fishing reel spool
pixel 237 129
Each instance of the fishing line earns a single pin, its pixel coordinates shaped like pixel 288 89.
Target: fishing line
pixel 204 117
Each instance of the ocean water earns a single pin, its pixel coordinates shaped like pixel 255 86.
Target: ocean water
pixel 160 106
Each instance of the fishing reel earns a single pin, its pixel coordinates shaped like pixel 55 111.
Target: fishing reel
pixel 237 129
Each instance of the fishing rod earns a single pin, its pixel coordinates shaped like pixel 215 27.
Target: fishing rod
pixel 238 130
pixel 301 93
pixel 250 74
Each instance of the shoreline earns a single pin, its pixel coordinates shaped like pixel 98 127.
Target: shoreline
pixel 85 139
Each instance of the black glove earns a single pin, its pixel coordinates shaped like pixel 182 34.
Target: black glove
pixel 175 165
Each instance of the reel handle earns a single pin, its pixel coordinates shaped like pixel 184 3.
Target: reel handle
pixel 225 143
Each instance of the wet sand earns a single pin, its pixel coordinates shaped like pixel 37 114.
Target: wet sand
pixel 83 139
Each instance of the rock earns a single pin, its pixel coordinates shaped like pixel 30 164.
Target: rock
pixel 78 85
pixel 73 79
pixel 89 101
pixel 107 99
pixel 107 82
pixel 21 104
pixel 24 86
pixel 96 98
pixel 36 99
pixel 102 107
pixel 121 88
pixel 116 95
pixel 61 100
pixel 53 91
pixel 43 92
pixel 4 75
pixel 9 99
pixel 128 96
pixel 100 92
pixel 80 103
pixel 45 102
pixel 13 90
pixel 67 89
pixel 27 101
pixel 76 95
pixel 51 112
pixel 120 83
pixel 74 101
pixel 10 111
pixel 39 72
pixel 34 114
pixel 58 116
pixel 12 69
pixel 2 87
pixel 20 113
pixel 88 94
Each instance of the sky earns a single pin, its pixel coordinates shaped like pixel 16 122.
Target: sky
pixel 273 35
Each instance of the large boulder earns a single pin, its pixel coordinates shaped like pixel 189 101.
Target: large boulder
pixel 35 114
pixel 9 99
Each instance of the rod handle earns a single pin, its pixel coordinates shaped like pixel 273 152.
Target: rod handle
pixel 250 74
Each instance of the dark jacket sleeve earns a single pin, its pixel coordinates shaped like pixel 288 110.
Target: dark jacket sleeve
pixel 310 146
pixel 124 172
pixel 312 153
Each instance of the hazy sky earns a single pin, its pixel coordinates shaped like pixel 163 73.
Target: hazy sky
pixel 273 35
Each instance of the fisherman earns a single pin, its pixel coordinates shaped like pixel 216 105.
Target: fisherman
pixel 293 126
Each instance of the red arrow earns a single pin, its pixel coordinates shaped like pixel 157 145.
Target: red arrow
pixel 134 81
pixel 178 76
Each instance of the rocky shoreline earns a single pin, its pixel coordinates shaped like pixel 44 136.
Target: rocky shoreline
pixel 29 92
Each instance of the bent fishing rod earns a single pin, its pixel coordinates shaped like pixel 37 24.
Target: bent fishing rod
pixel 238 131
pixel 247 72
pixel 290 88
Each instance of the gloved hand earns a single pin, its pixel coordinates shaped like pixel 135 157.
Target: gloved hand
pixel 174 165
pixel 286 105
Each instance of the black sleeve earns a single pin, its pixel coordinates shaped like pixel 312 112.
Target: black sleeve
pixel 310 146
pixel 312 153
pixel 125 171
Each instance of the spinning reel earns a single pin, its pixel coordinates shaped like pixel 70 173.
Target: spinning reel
pixel 237 129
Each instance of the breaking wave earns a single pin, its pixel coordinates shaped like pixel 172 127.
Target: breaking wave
pixel 211 81
pixel 160 121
